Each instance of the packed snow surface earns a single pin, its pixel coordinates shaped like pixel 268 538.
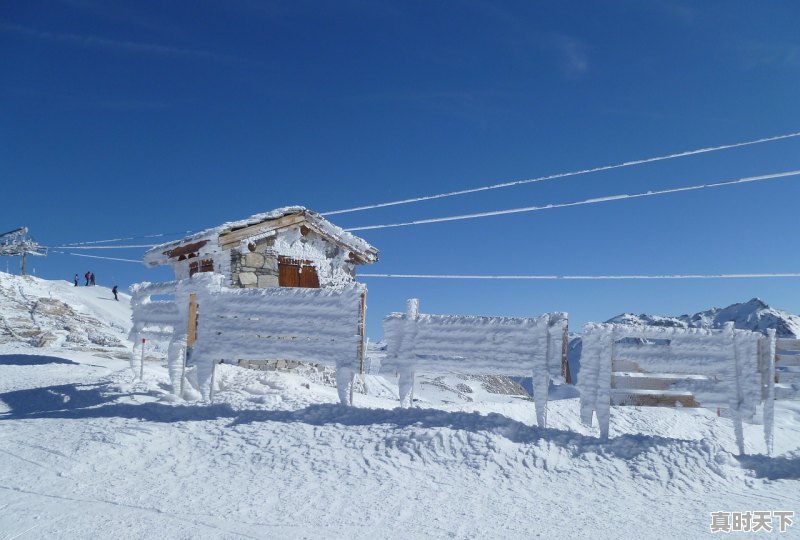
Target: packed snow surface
pixel 88 451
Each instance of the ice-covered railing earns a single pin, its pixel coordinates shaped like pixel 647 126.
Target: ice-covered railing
pixel 787 369
pixel 513 346
pixel 323 326
pixel 161 321
pixel 689 367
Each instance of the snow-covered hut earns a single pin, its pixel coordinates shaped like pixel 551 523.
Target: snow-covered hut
pixel 287 247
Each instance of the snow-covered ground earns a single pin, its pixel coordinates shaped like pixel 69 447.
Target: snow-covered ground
pixel 87 451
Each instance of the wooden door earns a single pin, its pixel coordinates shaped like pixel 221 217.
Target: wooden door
pixel 297 273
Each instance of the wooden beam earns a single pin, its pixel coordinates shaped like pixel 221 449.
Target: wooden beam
pixel 656 381
pixel 229 238
pixel 185 249
pixel 653 399
pixel 565 356
pixel 191 334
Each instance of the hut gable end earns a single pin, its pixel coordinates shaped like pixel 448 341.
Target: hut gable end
pixel 289 247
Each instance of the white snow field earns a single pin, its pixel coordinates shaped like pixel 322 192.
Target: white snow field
pixel 88 451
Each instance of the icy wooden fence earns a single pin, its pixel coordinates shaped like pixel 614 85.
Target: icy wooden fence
pixel 787 368
pixel 157 320
pixel 652 366
pixel 512 346
pixel 324 326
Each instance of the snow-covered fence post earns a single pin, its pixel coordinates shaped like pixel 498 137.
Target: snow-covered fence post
pixel 595 347
pixel 540 375
pixel 406 374
pixel 603 409
pixel 736 396
pixel 205 285
pixel 141 364
pixel 176 353
pixel 595 381
pixel 767 368
pixel 153 321
pixel 191 337
pixel 565 372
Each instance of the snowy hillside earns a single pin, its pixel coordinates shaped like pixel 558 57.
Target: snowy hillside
pixel 754 315
pixel 89 451
pixel 56 314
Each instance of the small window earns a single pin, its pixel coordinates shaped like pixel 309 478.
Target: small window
pixel 206 265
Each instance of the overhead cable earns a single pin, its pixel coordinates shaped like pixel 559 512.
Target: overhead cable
pixel 139 261
pixel 563 175
pixel 103 247
pixel 606 277
pixel 609 198
pixel 157 235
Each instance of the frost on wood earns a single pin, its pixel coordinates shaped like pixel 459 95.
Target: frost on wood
pixel 310 325
pixel 635 365
pixel 513 346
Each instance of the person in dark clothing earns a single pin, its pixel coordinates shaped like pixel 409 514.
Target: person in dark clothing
pixel 114 290
pixel 91 279
pixel 87 275
pixel 75 280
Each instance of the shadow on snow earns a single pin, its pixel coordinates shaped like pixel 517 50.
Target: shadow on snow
pixel 32 360
pixel 87 401
pixel 772 468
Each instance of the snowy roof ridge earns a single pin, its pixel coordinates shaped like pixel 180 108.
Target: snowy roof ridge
pixel 357 244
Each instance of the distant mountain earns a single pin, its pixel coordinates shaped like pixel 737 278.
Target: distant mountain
pixel 753 315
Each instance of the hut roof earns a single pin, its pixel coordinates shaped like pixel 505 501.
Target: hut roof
pixel 233 233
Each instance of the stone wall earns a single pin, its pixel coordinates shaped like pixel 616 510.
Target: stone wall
pixel 257 268
pixel 256 265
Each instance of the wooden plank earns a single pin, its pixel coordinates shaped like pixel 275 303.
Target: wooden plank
pixel 787 344
pixel 231 238
pixel 655 381
pixel 185 249
pixel 787 377
pixel 652 399
pixel 618 364
pixel 782 360
pixel 191 335
pixel 362 332
pixel 786 391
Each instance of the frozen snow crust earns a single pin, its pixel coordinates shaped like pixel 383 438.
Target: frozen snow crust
pixel 88 451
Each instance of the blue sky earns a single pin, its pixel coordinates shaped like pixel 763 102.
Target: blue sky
pixel 123 119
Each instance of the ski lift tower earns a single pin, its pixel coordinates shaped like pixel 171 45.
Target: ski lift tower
pixel 17 242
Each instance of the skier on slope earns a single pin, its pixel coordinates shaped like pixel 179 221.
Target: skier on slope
pixel 114 290
pixel 91 279
pixel 87 275
pixel 75 281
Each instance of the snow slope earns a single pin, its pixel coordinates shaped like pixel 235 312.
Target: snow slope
pixel 46 313
pixel 87 451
